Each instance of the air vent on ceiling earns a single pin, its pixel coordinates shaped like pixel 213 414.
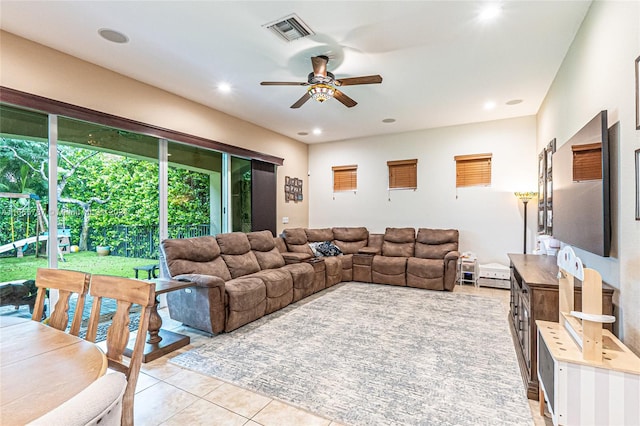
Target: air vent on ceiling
pixel 290 28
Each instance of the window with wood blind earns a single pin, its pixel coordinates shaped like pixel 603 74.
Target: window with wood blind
pixel 403 174
pixel 345 178
pixel 587 162
pixel 473 170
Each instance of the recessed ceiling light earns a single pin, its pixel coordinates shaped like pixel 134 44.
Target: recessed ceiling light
pixel 224 87
pixel 113 35
pixel 489 12
pixel 303 133
pixel 489 105
pixel 317 131
pixel 514 102
pixel 389 120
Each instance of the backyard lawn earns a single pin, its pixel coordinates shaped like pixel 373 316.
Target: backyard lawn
pixel 14 268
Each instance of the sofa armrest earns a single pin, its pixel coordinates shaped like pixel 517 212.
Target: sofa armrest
pixel 201 306
pixel 450 265
pixel 369 250
pixel 452 255
pixel 293 257
pixel 201 280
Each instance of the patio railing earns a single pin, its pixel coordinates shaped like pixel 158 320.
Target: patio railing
pixel 143 241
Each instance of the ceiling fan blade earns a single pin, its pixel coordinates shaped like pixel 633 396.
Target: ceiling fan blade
pixel 319 65
pixel 351 81
pixel 301 101
pixel 346 101
pixel 283 83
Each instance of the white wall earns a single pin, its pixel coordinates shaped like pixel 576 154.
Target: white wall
pixel 490 219
pixel 598 74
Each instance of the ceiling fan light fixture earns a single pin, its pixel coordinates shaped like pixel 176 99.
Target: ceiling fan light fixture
pixel 321 92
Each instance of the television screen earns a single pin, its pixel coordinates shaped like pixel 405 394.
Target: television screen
pixel 581 212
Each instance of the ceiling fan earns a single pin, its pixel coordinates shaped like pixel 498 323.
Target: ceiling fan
pixel 323 84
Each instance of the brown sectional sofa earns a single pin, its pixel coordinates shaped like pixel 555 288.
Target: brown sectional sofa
pixel 240 277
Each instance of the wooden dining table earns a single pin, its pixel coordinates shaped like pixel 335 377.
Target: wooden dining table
pixel 42 367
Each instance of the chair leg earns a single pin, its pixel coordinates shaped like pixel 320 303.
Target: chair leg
pixel 127 407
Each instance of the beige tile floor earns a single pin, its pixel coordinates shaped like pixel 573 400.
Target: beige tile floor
pixel 170 395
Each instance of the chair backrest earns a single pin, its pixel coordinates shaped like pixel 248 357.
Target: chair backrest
pixel 126 292
pixel 67 283
pixel 100 403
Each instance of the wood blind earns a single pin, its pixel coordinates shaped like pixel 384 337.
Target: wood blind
pixel 403 174
pixel 473 170
pixel 345 178
pixel 587 162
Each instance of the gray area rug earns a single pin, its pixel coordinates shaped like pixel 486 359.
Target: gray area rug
pixel 365 354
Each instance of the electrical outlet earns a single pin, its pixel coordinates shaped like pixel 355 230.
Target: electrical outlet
pixel 285 219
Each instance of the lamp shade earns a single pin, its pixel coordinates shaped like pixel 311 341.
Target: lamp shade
pixel 321 92
pixel 525 196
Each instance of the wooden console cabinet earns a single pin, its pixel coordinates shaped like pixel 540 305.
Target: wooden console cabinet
pixel 534 296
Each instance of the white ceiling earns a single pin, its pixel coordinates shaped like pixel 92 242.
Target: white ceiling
pixel 440 62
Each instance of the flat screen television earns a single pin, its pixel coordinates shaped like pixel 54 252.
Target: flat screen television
pixel 581 210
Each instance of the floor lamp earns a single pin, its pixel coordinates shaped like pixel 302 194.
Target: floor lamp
pixel 525 197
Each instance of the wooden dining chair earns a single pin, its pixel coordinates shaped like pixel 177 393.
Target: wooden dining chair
pixel 126 292
pixel 67 283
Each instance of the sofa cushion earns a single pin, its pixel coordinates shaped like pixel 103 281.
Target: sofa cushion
pixel 315 235
pixel 246 301
pixel 276 281
pixel 350 247
pixel 425 273
pixel 264 248
pixel 351 234
pixel 350 240
pixel 333 270
pixel 245 293
pixel 435 243
pixel 279 286
pixel 237 254
pixel 261 240
pixel 296 240
pixel 241 264
pixel 425 268
pixel 398 242
pixel 269 259
pixel 389 270
pixel 346 260
pixel 199 255
pixel 233 243
pixel 303 276
pixel 295 236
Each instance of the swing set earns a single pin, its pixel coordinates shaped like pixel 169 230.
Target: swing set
pixel 42 226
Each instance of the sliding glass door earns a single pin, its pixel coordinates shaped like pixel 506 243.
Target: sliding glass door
pixel 194 200
pixel 240 183
pixel 24 201
pixel 115 192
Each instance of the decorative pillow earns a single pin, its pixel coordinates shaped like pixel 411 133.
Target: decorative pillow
pixel 314 249
pixel 328 249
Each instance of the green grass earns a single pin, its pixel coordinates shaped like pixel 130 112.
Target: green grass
pixel 24 268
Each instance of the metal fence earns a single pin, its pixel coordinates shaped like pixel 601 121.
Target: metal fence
pixel 144 241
